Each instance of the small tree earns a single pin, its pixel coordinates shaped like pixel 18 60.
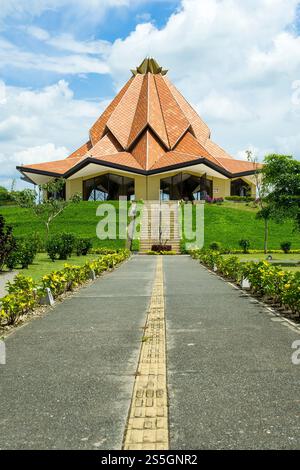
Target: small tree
pixel 7 242
pixel 51 206
pixel 262 190
pixel 282 175
pixel 245 245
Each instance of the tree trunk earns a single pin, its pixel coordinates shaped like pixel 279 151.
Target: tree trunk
pixel 47 229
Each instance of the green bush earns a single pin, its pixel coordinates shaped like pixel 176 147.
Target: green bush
pixel 245 245
pixel 135 245
pixel 215 246
pixel 61 246
pixel 286 246
pixel 23 255
pixel 240 198
pixel 7 242
pixel 83 246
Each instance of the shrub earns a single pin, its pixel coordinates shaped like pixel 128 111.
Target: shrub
pixel 281 287
pixel 240 198
pixel 286 246
pixel 23 255
pixel 214 200
pixel 7 241
pixel 215 246
pixel 245 245
pixel 135 245
pixel 20 300
pixel 61 246
pixel 83 246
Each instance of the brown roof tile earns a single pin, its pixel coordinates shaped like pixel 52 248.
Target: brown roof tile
pixel 121 120
pixel 59 166
pixel 175 121
pixel 155 116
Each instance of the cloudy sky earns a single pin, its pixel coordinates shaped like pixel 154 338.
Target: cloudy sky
pixel 62 61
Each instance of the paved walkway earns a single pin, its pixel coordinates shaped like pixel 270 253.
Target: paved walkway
pixel 232 383
pixel 4 277
pixel 69 376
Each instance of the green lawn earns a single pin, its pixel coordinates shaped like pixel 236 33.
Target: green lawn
pixel 79 219
pixel 43 265
pixel 226 224
pixel 230 222
pixel 276 257
pixel 262 256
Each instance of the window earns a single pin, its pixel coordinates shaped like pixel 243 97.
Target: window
pixel 185 186
pixel 239 187
pixel 108 187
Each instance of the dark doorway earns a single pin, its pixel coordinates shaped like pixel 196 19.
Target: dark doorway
pixel 240 188
pixel 108 187
pixel 186 186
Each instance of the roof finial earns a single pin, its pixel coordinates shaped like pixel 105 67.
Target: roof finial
pixel 149 65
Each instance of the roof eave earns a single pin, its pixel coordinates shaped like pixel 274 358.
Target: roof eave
pixel 137 171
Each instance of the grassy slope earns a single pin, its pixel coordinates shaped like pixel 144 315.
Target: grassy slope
pixel 226 224
pixel 79 219
pixel 230 222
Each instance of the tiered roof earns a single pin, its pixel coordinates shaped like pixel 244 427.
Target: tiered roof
pixel 148 128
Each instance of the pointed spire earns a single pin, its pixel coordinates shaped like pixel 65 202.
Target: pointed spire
pixel 149 65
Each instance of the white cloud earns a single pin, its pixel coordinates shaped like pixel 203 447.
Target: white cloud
pixel 91 10
pixel 38 33
pixel 42 125
pixel 222 108
pixel 68 43
pixel 2 93
pixel 41 153
pixel 13 56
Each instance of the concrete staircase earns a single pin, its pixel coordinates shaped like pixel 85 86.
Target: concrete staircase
pixel 160 217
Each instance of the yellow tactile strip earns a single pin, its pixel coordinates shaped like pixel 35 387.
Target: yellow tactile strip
pixel 147 426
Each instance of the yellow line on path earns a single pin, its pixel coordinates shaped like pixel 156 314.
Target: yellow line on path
pixel 147 426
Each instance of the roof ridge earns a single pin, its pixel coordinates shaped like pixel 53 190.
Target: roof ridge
pixel 138 108
pixel 161 111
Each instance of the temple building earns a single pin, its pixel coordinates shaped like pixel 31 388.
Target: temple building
pixel 149 143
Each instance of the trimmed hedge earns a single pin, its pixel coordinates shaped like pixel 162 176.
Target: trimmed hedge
pixel 24 294
pixel 278 286
pixel 240 198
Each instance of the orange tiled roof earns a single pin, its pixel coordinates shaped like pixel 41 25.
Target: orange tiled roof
pixel 149 126
pixel 59 167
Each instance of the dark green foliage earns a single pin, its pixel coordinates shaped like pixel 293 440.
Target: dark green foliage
pixel 23 255
pixel 61 246
pixel 83 246
pixel 245 245
pixel 7 241
pixel 282 174
pixel 286 246
pixel 215 246
pixel 240 198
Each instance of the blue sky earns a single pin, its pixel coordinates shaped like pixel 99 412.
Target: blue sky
pixel 61 61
